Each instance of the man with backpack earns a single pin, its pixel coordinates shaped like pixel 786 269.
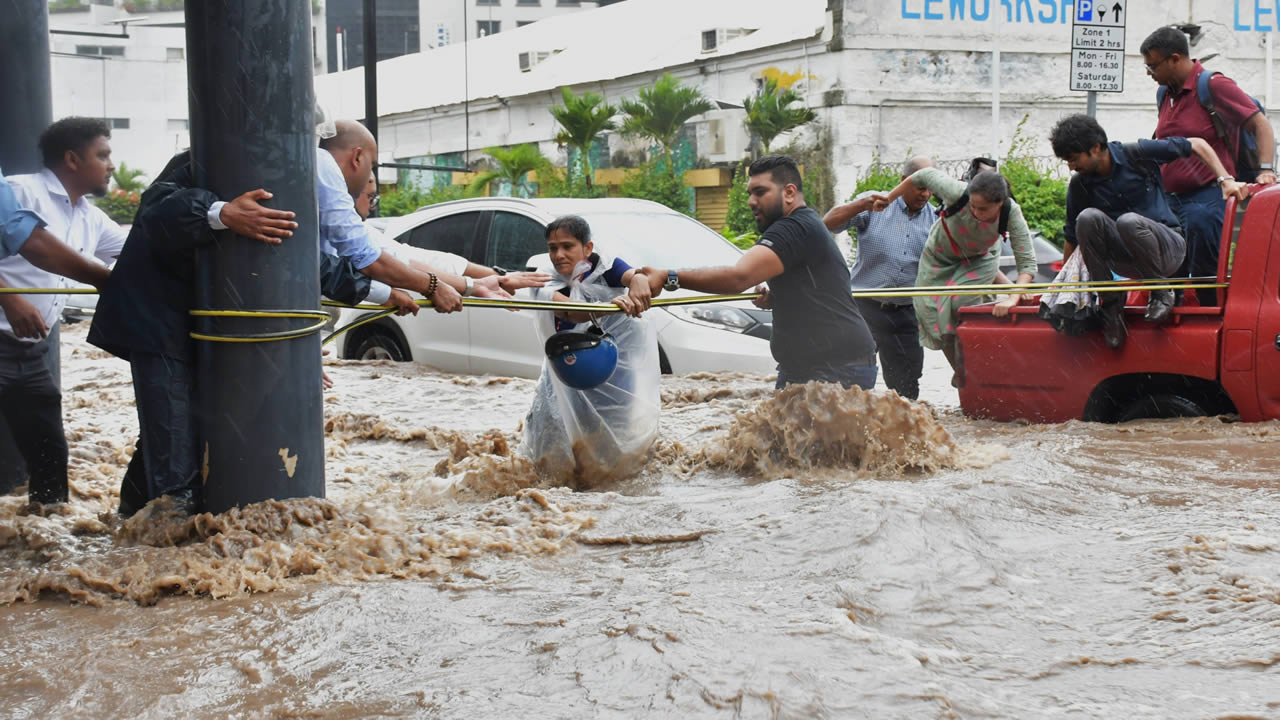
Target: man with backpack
pixel 1118 215
pixel 1196 103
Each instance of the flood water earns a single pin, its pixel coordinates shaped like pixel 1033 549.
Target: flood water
pixel 815 555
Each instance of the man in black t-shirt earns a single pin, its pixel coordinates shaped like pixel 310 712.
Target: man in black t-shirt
pixel 818 334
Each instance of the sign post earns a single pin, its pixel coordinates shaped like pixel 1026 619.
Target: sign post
pixel 1097 48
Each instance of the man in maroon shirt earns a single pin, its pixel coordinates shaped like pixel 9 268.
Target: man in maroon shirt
pixel 1194 193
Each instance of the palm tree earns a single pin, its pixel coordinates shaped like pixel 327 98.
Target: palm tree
pixel 660 112
pixel 768 115
pixel 582 118
pixel 513 165
pixel 128 179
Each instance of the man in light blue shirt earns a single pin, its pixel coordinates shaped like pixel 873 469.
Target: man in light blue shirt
pixel 889 248
pixel 344 164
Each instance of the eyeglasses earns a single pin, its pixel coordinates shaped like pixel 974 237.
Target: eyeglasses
pixel 1151 67
pixel 373 202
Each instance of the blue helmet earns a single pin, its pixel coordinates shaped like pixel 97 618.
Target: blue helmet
pixel 582 360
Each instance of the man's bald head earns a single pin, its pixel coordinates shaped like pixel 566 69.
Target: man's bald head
pixel 350 134
pixel 354 149
pixel 918 162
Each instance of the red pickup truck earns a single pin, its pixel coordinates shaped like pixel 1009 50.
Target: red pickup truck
pixel 1208 361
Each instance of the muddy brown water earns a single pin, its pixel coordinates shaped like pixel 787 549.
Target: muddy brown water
pixel 808 555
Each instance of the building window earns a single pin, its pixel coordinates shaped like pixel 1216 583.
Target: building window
pixel 488 2
pixel 100 50
pixel 179 125
pixel 178 54
pixel 485 28
pixel 529 3
pixel 522 23
pixel 118 123
pixel 568 3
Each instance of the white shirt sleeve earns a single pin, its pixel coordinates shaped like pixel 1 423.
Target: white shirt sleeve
pixel 215 215
pixel 111 239
pixel 379 293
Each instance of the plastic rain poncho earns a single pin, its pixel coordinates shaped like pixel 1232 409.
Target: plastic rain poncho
pixel 585 437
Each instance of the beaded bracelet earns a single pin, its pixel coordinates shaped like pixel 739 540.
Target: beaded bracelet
pixel 431 288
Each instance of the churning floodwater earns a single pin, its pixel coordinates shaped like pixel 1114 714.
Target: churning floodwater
pixel 814 554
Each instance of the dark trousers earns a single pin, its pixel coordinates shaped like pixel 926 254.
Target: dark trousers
pixel 861 373
pixel 166 459
pixel 898 342
pixel 31 404
pixel 1201 213
pixel 1133 246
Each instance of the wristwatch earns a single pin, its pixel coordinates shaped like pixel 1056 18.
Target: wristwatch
pixel 470 288
pixel 673 281
pixel 1267 167
pixel 1225 178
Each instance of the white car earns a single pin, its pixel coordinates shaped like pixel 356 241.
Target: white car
pixel 510 233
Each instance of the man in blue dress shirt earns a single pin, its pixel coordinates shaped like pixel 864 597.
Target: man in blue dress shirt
pixel 889 247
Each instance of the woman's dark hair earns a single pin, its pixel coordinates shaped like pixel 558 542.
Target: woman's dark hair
pixel 1076 134
pixel 572 224
pixel 979 164
pixel 1167 41
pixel 70 133
pixel 991 186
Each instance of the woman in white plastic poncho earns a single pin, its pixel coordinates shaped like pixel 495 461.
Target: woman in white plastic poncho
pixel 585 437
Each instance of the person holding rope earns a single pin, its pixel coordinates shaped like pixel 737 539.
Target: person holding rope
pixel 1119 216
pixel 818 333
pixel 889 247
pixel 595 409
pixel 77 157
pixel 964 249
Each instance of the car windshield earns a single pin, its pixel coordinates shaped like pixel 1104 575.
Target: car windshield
pixel 660 240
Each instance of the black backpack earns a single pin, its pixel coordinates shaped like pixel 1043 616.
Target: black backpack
pixel 1246 144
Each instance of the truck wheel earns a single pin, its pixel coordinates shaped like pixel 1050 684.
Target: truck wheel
pixel 380 346
pixel 1163 405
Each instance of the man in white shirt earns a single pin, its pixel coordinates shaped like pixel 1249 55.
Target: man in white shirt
pixel 77 158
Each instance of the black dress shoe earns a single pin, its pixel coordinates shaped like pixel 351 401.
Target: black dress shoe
pixel 185 501
pixel 1113 327
pixel 1159 307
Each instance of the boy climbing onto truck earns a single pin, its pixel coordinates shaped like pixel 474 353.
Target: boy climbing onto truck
pixel 1119 216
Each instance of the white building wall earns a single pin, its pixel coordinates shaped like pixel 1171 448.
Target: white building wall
pixel 443 21
pixel 147 85
pixel 903 82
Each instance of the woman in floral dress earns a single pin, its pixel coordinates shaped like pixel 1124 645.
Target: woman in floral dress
pixel 964 249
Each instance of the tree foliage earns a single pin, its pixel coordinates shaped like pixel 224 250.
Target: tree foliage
pixel 582 118
pixel 660 111
pixel 514 165
pixel 405 200
pixel 739 219
pixel 1040 193
pixel 660 186
pixel 128 179
pixel 769 114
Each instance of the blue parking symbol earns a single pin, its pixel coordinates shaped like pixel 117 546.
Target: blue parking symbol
pixel 1084 10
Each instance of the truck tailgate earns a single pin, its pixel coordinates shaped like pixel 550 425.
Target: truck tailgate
pixel 1019 367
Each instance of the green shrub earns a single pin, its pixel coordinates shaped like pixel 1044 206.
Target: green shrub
pixel 569 185
pixel 1041 194
pixel 660 186
pixel 403 201
pixel 744 240
pixel 119 205
pixel 878 176
pixel 739 219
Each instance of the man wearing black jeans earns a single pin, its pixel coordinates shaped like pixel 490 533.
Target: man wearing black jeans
pixel 1119 216
pixel 818 333
pixel 889 247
